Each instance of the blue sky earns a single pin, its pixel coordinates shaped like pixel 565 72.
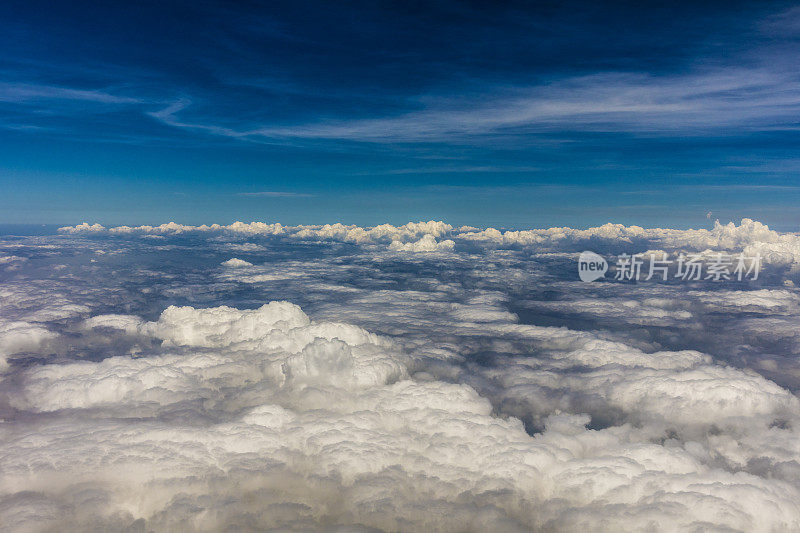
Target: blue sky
pixel 512 114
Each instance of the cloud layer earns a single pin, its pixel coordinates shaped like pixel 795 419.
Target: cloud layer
pixel 750 237
pixel 420 377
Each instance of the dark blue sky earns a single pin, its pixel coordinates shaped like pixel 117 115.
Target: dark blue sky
pixel 504 114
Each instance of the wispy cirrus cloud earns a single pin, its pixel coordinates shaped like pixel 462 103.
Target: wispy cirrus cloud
pixel 168 116
pixel 30 92
pixel 462 169
pixel 759 90
pixel 783 24
pixel 275 194
pixel 749 99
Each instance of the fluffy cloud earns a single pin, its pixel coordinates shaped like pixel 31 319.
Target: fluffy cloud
pixel 21 337
pixel 484 388
pixel 236 262
pixel 327 232
pixel 329 424
pixel 750 237
pixel 426 244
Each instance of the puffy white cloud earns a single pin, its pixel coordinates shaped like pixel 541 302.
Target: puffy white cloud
pixel 340 435
pixel 327 232
pixel 427 243
pixel 243 247
pixel 83 228
pixel 323 416
pixel 484 388
pixel 172 228
pixel 775 301
pixel 235 262
pixel 20 337
pixel 750 237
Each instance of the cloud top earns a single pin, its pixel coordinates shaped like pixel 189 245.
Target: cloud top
pixel 423 377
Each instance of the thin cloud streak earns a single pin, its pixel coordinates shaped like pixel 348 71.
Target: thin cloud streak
pixel 697 104
pixel 276 194
pixel 26 92
pixel 452 170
